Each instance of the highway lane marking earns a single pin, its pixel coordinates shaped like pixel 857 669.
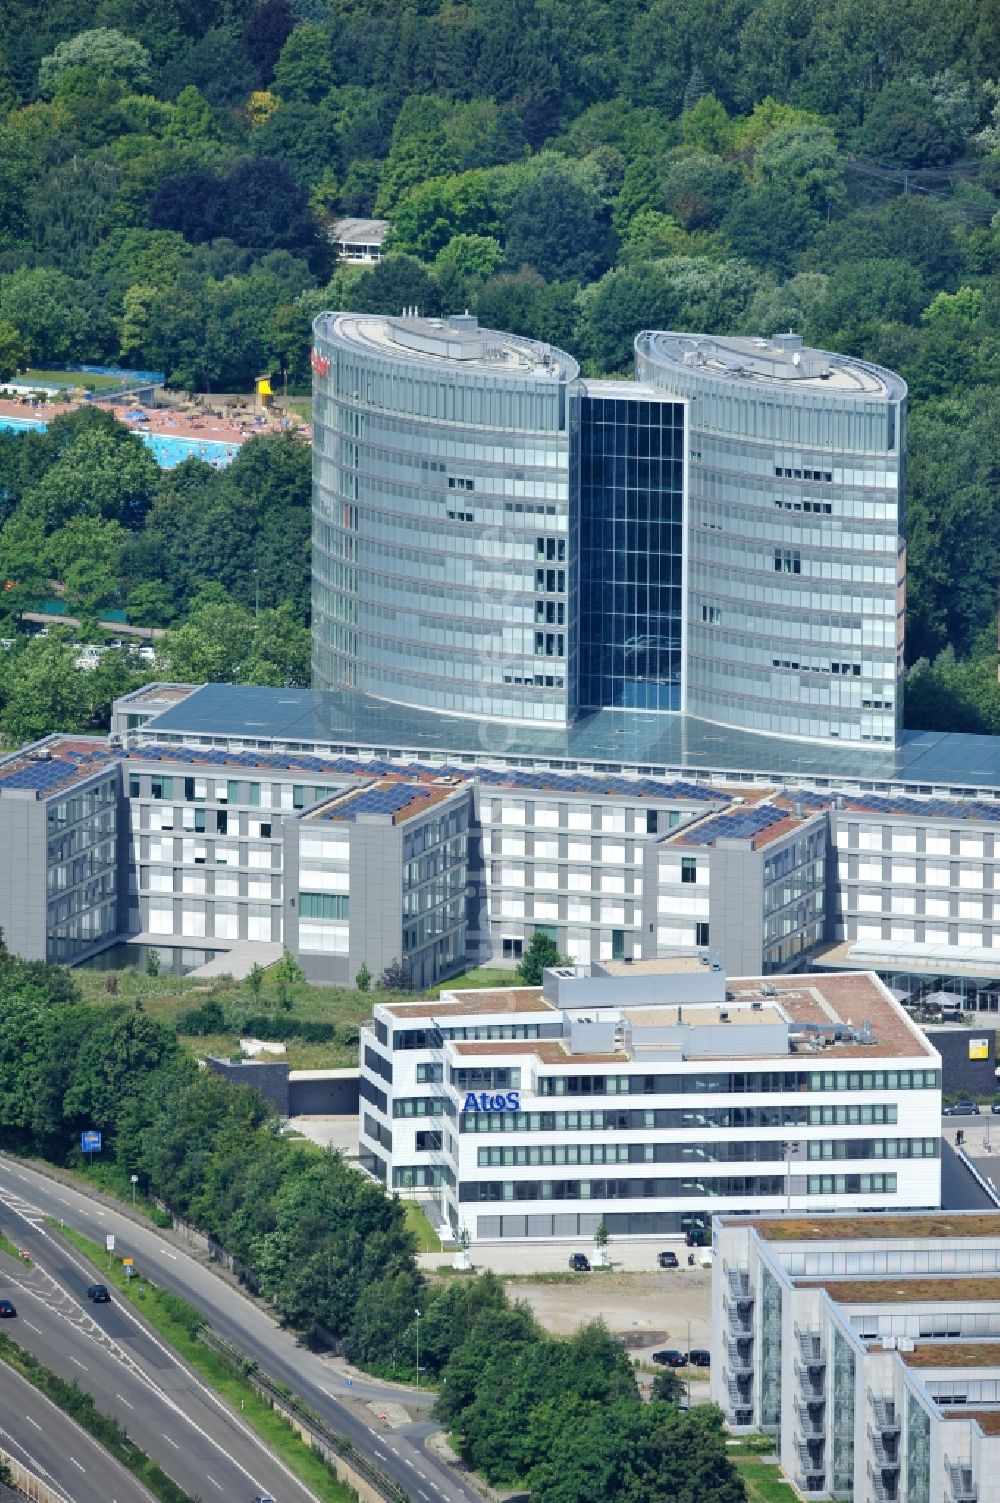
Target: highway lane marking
pixel 424 1495
pixel 421 1474
pixel 167 1254
pixel 124 1401
pixel 77 1463
pixel 78 1362
pixel 33 1422
pixel 63 1201
pixel 32 1328
pixel 214 1483
pixel 169 1442
pixel 413 1464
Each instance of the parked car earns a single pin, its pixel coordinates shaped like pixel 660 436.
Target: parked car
pixel 99 1294
pixel 995 1108
pixel 669 1356
pixel 579 1262
pixel 699 1356
pixel 668 1260
pixel 964 1108
pixel 7 1311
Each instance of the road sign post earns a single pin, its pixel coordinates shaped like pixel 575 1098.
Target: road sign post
pixel 90 1143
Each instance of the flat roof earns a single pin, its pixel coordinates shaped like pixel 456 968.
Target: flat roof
pixel 54 766
pixel 953 1354
pixel 469 1003
pixel 898 1288
pixel 875 1228
pixel 988 1420
pixel 650 744
pixel 782 362
pixel 455 343
pixel 359 231
pixel 760 825
pixel 393 798
pixel 662 965
pixel 922 959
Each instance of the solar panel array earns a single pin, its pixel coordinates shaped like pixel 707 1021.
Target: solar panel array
pixel 744 824
pixel 391 800
pixel 45 775
pixel 940 808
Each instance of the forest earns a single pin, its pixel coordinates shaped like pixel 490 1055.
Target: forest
pixel 332 1252
pixel 169 174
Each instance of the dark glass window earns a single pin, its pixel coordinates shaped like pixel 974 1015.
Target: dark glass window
pixel 631 505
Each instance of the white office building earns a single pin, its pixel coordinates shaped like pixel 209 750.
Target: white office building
pixel 648 1096
pixel 868 1346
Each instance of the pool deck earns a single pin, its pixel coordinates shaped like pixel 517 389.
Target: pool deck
pixel 169 421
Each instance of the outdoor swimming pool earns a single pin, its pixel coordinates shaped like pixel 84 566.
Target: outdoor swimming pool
pixel 168 449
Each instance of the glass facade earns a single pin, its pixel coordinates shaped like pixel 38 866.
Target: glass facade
pixel 442 572
pixel 796 564
pixel 770 1354
pixel 918 1452
pixel 631 552
pixel 842 1424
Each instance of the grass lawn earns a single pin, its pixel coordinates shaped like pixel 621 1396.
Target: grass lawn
pixel 483 975
pixel 416 1222
pixel 177 1322
pixel 164 997
pixel 764 1480
pixel 301 406
pixel 71 379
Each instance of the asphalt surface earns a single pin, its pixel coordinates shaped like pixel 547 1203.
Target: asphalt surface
pixel 327 1385
pixel 959 1190
pixel 50 1445
pixel 117 1358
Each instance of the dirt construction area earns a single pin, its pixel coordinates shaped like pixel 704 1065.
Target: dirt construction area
pixel 647 1310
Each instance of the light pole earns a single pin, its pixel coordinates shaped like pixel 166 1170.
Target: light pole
pixel 417 1314
pixel 135 1181
pixel 790 1150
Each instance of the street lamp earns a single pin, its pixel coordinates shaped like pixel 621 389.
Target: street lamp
pixel 417 1314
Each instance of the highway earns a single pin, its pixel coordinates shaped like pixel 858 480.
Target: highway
pixel 26 1196
pixel 116 1357
pixel 55 1449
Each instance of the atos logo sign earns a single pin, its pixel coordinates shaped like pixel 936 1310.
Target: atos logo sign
pixel 319 363
pixel 509 1101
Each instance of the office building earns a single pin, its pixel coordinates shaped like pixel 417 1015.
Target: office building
pixel 647 1096
pixel 498 539
pixel 869 1346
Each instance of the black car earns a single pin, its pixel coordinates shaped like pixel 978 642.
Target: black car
pixel 963 1108
pixel 995 1108
pixel 670 1357
pixel 7 1311
pixel 99 1294
pixel 579 1262
pixel 668 1260
pixel 699 1356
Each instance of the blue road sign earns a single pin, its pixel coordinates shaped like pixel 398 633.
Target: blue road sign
pixel 90 1142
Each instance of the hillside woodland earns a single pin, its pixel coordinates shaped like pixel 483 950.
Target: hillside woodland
pixel 574 171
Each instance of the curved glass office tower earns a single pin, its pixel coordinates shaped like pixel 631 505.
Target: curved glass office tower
pixel 795 569
pixel 444 550
pixel 495 537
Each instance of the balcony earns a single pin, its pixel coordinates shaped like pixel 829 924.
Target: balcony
pixel 739 1410
pixel 739 1285
pixel 812 1384
pixel 884 1416
pixel 740 1357
pixel 739 1313
pixel 963 1484
pixel 811 1472
pixel 811 1350
pixel 812 1420
pixel 884 1452
pixel 884 1489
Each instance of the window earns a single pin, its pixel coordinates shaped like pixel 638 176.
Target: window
pixel 324 905
pixel 133 786
pixel 701 934
pixel 513 949
pixel 551 549
pixel 162 787
pixel 222 822
pixel 618 944
pixel 689 869
pixel 650 821
pixel 711 615
pixel 787 561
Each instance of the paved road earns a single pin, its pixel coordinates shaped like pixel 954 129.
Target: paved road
pixel 115 1356
pixel 323 1383
pixel 959 1190
pixel 51 1446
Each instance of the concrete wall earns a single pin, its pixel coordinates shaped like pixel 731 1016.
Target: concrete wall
pixel 961 1075
pixel 22 873
pixel 335 1095
pixel 271 1080
pixel 736 906
pixel 376 894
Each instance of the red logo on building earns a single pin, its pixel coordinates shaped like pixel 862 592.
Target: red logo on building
pixel 320 364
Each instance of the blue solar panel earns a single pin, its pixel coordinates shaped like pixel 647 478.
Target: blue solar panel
pixel 743 825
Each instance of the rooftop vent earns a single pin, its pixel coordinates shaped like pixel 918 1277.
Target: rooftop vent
pixel 788 342
pixel 723 1016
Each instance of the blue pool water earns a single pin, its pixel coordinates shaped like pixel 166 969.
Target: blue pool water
pixel 168 450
